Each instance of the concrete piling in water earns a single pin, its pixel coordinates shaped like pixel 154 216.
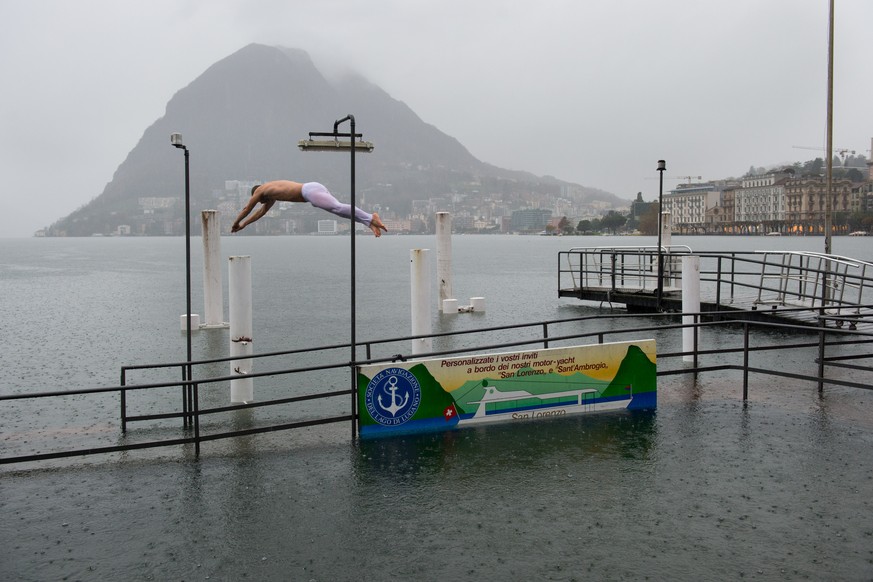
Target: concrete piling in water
pixel 446 302
pixel 444 258
pixel 240 301
pixel 419 274
pixel 690 302
pixel 213 296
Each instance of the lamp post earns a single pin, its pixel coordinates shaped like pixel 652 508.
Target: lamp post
pixel 662 165
pixel 829 201
pixel 176 141
pixel 336 144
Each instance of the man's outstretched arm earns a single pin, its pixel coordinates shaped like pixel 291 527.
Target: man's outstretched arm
pixel 265 207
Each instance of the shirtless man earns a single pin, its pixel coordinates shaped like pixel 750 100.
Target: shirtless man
pixel 312 192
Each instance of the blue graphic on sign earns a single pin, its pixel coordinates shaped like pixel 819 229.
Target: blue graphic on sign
pixel 392 396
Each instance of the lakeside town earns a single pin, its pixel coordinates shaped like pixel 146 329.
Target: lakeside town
pixel 786 200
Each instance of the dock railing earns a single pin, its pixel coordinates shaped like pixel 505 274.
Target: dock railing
pixel 307 395
pixel 634 268
pixel 746 280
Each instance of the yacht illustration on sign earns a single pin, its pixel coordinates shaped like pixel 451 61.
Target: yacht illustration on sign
pixel 500 405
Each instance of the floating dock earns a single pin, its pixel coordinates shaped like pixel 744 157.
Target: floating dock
pixel 778 286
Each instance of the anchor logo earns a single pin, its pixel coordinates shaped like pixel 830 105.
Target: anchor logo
pixel 394 406
pixel 392 396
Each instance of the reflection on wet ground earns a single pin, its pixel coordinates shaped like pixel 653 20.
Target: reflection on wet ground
pixel 705 487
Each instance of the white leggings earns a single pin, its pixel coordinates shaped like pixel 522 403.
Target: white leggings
pixel 317 195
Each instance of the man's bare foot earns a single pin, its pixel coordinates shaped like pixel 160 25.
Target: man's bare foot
pixel 376 225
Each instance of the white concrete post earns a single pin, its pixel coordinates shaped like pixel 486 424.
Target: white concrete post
pixel 240 300
pixel 213 297
pixel 690 301
pixel 444 257
pixel 419 275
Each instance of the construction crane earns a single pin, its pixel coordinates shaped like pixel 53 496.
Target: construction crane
pixel 688 178
pixel 839 151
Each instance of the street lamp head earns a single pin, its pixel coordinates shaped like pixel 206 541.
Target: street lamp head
pixel 176 140
pixel 662 165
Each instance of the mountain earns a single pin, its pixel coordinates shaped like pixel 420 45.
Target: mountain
pixel 241 120
pixel 637 370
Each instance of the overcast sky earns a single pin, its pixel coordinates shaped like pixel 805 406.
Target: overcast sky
pixel 593 92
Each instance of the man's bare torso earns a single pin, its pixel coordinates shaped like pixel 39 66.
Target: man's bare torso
pixel 284 190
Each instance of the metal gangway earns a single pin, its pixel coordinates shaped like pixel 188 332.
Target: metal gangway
pixel 794 285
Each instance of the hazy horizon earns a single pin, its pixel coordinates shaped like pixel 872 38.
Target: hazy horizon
pixel 592 93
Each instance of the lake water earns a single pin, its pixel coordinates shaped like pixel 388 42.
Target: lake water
pixel 704 488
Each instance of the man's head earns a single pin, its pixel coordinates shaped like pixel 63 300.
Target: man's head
pixel 255 187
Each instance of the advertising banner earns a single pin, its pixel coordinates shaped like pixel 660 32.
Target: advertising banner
pixel 449 393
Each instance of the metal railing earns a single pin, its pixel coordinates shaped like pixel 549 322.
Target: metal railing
pixel 784 278
pixel 830 348
pixel 626 267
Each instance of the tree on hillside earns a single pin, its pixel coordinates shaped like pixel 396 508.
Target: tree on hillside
pixel 858 161
pixel 813 167
pixel 854 174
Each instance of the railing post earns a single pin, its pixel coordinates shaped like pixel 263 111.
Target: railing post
pixel 718 284
pixel 196 415
pixel 696 337
pixel 764 264
pixel 545 335
pixel 803 274
pixel 612 270
pixel 733 274
pixel 123 401
pixel 599 263
pixel 622 270
pixel 821 355
pixel 186 398
pixel 745 361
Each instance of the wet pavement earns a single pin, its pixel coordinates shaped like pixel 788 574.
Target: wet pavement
pixel 704 488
